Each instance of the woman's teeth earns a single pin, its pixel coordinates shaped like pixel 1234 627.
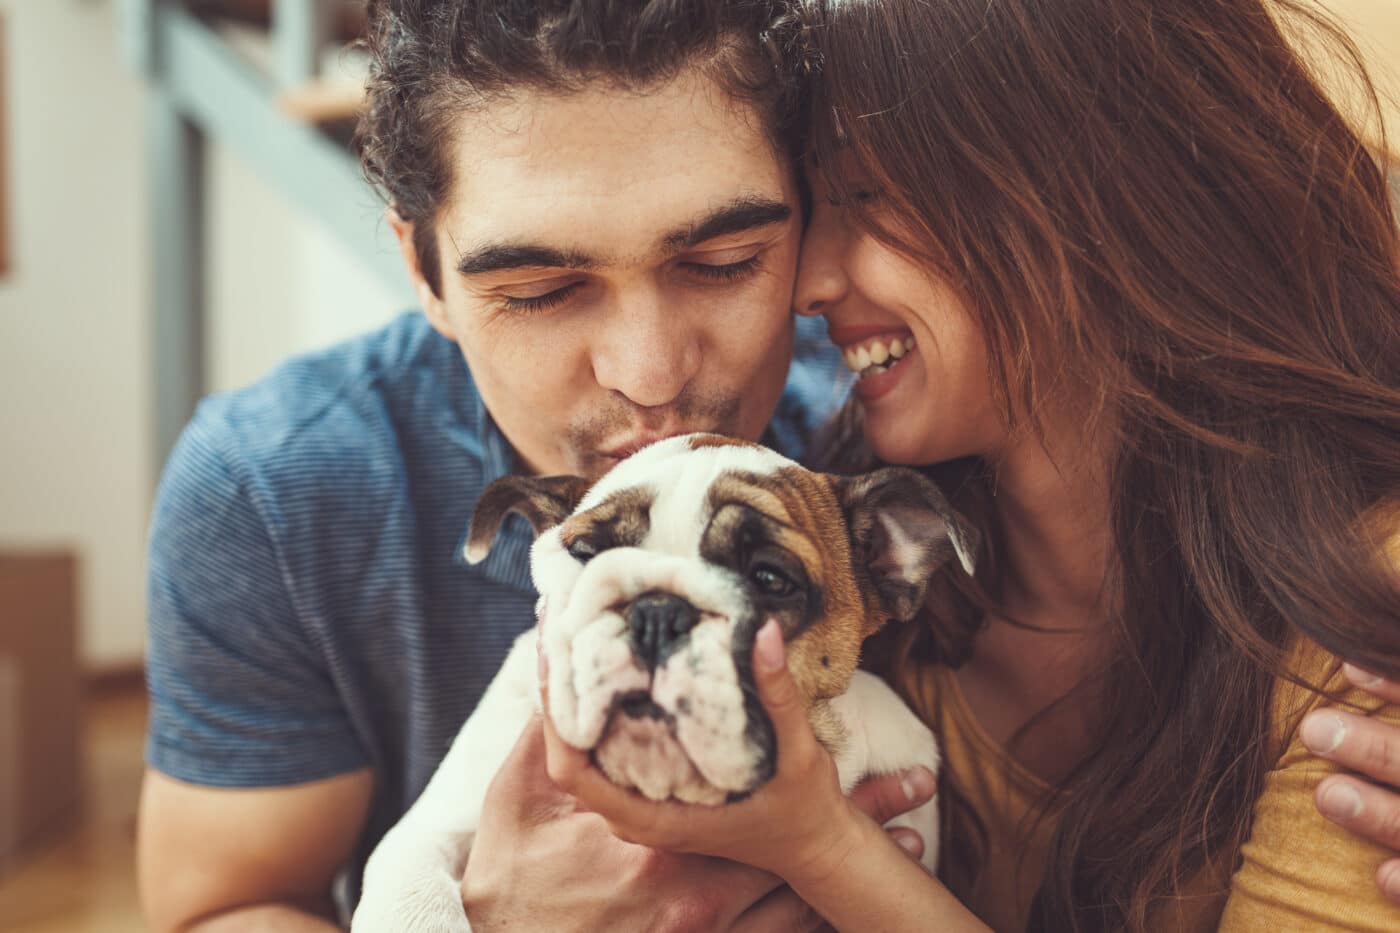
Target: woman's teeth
pixel 877 355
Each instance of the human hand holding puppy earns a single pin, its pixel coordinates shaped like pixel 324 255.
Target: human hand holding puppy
pixel 542 859
pixel 798 825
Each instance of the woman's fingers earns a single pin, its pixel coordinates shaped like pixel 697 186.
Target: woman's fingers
pixel 1362 808
pixel 1366 803
pixel 1373 684
pixel 798 751
pixel 776 687
pixel 887 796
pixel 1388 878
pixel 1357 742
pixel 909 841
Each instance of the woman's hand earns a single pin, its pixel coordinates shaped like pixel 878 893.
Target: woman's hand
pixel 1371 748
pixel 798 825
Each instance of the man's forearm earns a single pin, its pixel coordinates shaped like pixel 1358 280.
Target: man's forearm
pixel 265 918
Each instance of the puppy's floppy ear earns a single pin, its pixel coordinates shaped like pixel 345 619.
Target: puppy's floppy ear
pixel 902 530
pixel 544 501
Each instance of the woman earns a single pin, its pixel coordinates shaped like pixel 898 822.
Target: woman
pixel 1151 282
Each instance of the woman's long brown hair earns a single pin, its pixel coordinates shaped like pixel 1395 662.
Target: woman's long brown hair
pixel 1157 204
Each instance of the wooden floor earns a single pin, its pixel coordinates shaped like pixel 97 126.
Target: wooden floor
pixel 85 880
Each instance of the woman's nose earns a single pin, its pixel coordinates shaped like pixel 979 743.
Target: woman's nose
pixel 821 274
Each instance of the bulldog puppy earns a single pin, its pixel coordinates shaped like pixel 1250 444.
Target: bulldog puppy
pixel 653 584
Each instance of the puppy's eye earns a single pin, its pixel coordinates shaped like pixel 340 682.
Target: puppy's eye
pixel 582 550
pixel 771 580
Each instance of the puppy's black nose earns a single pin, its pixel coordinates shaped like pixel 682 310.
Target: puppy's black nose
pixel 659 621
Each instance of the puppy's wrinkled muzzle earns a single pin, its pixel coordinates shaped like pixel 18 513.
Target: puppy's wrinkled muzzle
pixel 641 672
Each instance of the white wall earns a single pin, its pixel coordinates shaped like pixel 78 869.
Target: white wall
pixel 73 348
pixel 75 366
pixel 278 284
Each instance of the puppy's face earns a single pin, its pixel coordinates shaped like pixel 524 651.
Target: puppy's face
pixel 654 582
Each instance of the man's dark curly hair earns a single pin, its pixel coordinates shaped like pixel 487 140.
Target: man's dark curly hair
pixel 433 60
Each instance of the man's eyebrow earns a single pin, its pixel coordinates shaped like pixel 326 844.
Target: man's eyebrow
pixel 495 257
pixel 735 217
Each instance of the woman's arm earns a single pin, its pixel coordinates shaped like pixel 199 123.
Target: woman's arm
pixel 798 826
pixel 868 883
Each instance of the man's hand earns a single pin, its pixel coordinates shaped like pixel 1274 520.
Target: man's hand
pixel 1371 748
pixel 539 861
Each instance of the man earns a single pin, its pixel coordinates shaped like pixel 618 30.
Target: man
pixel 597 207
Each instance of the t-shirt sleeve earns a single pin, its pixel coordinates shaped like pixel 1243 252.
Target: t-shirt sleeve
pixel 239 695
pixel 1299 870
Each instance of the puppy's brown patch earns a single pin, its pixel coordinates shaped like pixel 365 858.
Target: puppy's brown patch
pixel 827 728
pixel 797 510
pixel 544 501
pixel 702 441
pixel 621 520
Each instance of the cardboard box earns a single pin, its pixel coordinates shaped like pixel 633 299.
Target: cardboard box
pixel 40 701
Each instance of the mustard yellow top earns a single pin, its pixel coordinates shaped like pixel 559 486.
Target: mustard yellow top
pixel 1299 871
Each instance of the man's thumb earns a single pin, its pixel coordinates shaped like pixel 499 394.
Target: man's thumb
pixel 523 782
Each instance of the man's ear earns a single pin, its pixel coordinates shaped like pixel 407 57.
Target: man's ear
pixel 404 232
pixel 544 501
pixel 902 530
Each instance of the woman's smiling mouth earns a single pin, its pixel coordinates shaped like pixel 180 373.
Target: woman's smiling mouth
pixel 877 354
pixel 881 354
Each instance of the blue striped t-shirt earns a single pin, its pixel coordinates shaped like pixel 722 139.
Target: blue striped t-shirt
pixel 309 610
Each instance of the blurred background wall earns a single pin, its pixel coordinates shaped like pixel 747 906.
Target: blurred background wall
pixel 76 454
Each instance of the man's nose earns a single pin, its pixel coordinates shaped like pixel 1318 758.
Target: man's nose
pixel 821 270
pixel 659 622
pixel 647 351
